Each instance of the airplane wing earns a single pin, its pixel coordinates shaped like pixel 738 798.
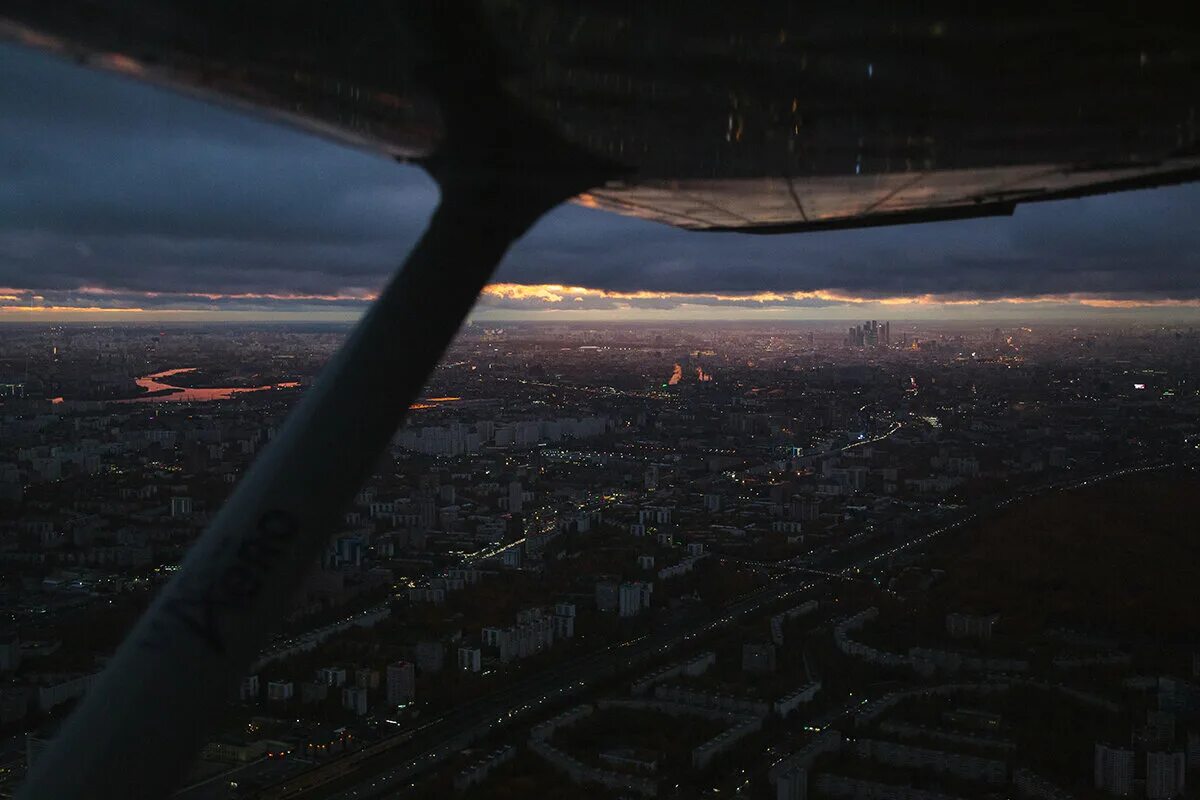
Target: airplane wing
pixel 777 120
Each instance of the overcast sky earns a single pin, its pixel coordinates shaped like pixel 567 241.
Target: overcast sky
pixel 116 195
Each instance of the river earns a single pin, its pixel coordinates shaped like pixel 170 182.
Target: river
pixel 182 394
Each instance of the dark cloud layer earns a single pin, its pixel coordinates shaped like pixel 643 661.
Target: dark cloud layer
pixel 109 190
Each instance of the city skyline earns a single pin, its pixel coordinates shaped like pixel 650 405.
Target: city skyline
pixel 826 550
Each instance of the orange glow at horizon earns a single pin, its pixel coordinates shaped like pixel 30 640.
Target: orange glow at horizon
pixel 104 292
pixel 1107 303
pixel 553 293
pixel 555 297
pixel 76 310
pixel 557 293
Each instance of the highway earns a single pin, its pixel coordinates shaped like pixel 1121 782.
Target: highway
pixel 436 740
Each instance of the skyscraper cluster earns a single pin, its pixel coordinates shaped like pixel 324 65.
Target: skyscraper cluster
pixel 870 334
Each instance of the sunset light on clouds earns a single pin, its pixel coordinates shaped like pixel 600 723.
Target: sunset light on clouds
pixel 123 201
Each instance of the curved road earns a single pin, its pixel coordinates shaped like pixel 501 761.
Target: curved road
pixel 440 738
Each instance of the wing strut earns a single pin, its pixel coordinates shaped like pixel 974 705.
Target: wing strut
pixel 499 170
